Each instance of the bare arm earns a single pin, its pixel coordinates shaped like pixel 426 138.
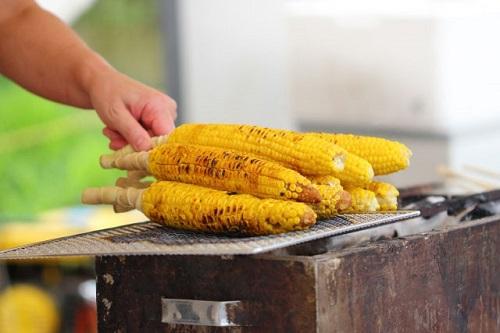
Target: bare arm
pixel 45 56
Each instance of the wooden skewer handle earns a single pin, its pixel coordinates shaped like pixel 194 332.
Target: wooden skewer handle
pixel 137 174
pixel 132 161
pixel 106 161
pixel 158 140
pixel 125 182
pixel 120 209
pixel 127 198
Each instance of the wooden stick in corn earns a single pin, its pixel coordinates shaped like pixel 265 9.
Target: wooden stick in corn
pixel 130 198
pixel 362 200
pixel 136 174
pixel 127 182
pixel 306 154
pixel 386 194
pixel 334 200
pixel 221 169
pixel 385 156
pixel 107 160
pixel 192 207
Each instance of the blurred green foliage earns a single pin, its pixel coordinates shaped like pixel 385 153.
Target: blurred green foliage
pixel 53 168
pixel 127 33
pixel 53 163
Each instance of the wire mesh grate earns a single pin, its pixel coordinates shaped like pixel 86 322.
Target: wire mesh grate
pixel 149 238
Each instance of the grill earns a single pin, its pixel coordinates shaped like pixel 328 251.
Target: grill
pixel 431 268
pixel 155 239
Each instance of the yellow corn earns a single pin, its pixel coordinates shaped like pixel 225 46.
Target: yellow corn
pixel 362 200
pixel 387 195
pixel 384 155
pixel 304 153
pixel 324 180
pixel 357 171
pixel 229 171
pixel 334 199
pixel 192 207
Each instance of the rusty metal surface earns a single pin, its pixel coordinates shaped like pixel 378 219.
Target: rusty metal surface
pixel 443 281
pixel 132 301
pixel 152 239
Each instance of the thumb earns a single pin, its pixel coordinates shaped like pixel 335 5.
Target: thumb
pixel 131 130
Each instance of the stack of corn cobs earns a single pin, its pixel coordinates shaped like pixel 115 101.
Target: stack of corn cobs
pixel 253 180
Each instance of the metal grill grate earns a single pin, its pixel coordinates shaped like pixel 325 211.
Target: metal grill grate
pixel 148 238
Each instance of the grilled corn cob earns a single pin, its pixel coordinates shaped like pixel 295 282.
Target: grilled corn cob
pixel 386 194
pixel 362 200
pixel 334 199
pixel 192 207
pixel 384 155
pixel 223 170
pixel 306 154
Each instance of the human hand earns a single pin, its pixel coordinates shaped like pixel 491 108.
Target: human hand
pixel 131 111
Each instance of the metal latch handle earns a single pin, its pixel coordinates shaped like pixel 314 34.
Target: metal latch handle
pixel 206 313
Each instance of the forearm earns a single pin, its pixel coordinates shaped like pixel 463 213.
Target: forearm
pixel 42 54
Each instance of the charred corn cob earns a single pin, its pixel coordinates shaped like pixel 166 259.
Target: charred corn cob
pixel 362 200
pixel 334 199
pixel 386 194
pixel 304 153
pixel 384 155
pixel 192 207
pixel 223 170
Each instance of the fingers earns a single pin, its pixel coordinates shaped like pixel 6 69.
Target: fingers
pixel 157 121
pixel 128 128
pixel 173 109
pixel 158 115
pixel 162 125
pixel 137 112
pixel 111 134
pixel 115 145
pixel 117 141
